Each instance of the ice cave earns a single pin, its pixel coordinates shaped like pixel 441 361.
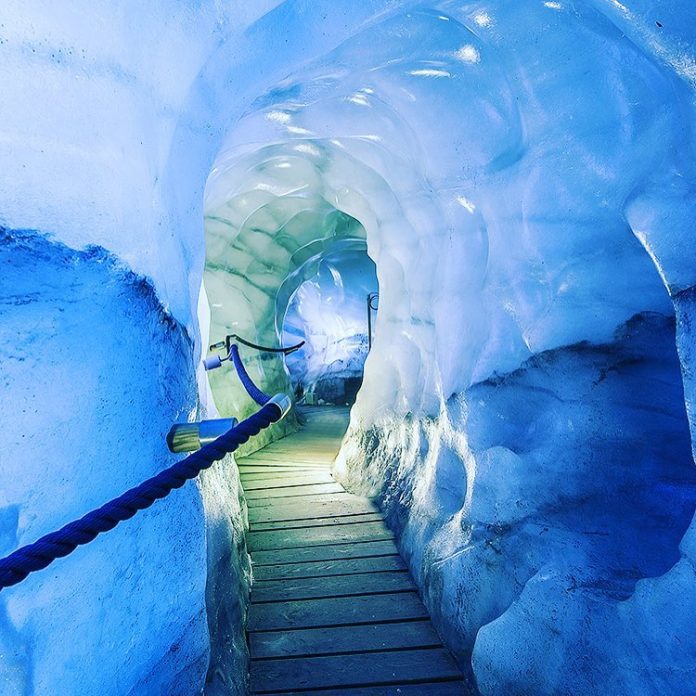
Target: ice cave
pixel 441 249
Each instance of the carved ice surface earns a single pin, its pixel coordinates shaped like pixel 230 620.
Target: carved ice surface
pixel 524 176
pixel 56 467
pixel 521 173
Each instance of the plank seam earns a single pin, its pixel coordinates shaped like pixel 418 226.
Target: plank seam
pixel 333 543
pixel 369 622
pixel 325 560
pixel 302 519
pixel 363 594
pixel 304 495
pixel 372 593
pixel 357 685
pixel 343 653
pixel 289 485
pixel 336 575
pixel 340 575
pixel 318 526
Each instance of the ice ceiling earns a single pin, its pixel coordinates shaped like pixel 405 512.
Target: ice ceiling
pixel 522 175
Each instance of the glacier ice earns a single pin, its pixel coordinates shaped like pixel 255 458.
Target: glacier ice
pixel 68 450
pixel 522 176
pixel 67 321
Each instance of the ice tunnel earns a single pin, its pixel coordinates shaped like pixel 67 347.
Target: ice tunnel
pixel 515 180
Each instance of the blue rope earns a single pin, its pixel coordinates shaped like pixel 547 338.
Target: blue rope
pixel 254 392
pixel 15 567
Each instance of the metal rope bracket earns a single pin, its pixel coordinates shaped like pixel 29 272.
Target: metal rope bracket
pixel 215 361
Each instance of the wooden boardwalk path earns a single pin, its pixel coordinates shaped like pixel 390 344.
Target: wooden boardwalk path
pixel 333 608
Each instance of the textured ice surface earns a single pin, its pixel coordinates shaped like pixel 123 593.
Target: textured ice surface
pixel 263 241
pixel 538 458
pixel 67 318
pixel 522 173
pixel 106 138
pixel 68 450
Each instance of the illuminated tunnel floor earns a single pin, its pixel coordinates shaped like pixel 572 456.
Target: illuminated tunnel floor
pixel 333 608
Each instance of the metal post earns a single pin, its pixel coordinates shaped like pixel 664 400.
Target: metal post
pixel 371 297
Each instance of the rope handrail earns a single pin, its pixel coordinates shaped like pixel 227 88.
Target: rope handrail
pixel 215 361
pixel 251 389
pixel 28 559
pixel 40 554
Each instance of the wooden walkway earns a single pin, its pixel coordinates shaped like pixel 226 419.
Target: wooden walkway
pixel 333 608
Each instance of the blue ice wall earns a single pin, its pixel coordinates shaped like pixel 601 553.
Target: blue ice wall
pixel 107 138
pixel 93 373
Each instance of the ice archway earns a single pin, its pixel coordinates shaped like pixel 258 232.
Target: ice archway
pixel 269 222
pixel 524 176
pixel 334 311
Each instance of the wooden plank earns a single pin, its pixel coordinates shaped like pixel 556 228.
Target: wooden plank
pixel 360 549
pixel 311 613
pixel 271 471
pixel 298 453
pixel 278 471
pixel 353 670
pixel 285 482
pixel 250 484
pixel 314 536
pixel 336 586
pixel 308 451
pixel 298 447
pixel 295 491
pixel 309 508
pixel 284 471
pixel 317 522
pixel 445 688
pixel 308 448
pixel 332 434
pixel 317 536
pixel 343 639
pixel 290 463
pixel 331 568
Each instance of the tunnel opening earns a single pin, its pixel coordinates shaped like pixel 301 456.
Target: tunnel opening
pixel 293 270
pixel 281 221
pixel 329 313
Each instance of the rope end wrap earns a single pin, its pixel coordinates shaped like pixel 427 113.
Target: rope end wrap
pixel 188 437
pixel 283 402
